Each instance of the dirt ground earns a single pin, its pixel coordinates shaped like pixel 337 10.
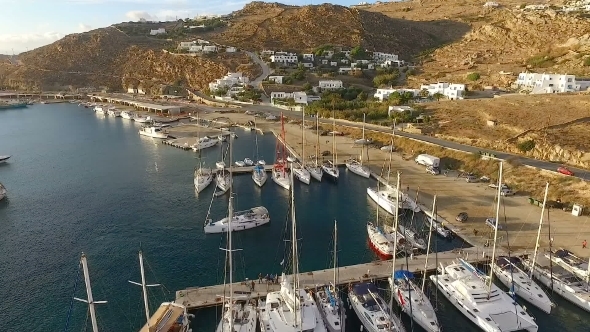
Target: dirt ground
pixel 454 195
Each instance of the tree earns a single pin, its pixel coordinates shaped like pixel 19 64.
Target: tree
pixel 307 86
pixel 438 96
pixel 358 53
pixel 424 93
pixel 473 76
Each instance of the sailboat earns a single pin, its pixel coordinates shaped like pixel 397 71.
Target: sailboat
pixel 355 166
pixel 90 299
pixel 203 176
pixel 223 177
pixel 383 243
pixel 371 310
pixel 519 282
pixel 298 168
pixel 170 316
pixel 570 262
pixel 291 309
pixel 258 172
pixel 315 170
pixel 236 317
pixel 330 304
pixel 279 170
pixel 474 294
pixel 412 298
pixel 330 167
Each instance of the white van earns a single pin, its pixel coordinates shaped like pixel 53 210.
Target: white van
pixel 427 160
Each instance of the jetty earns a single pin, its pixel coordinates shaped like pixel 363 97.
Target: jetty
pixel 211 296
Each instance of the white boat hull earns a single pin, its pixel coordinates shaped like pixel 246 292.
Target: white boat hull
pixel 244 319
pixel 154 135
pixel 223 181
pixel 204 144
pixel 259 176
pixel 126 115
pixel 334 317
pixel 524 287
pixel 332 171
pixel 378 317
pixel 4 159
pixel 281 178
pixel 242 221
pixel 142 120
pixel 203 180
pixel 412 237
pixel 359 169
pixel 302 174
pixel 382 200
pixel 315 172
pixel 421 310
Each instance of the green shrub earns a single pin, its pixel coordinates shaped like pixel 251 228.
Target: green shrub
pixel 587 62
pixel 541 61
pixel 473 76
pixel 526 146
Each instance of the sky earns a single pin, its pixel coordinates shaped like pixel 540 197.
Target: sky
pixel 28 24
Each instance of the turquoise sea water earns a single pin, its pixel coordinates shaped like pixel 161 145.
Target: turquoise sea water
pixel 78 182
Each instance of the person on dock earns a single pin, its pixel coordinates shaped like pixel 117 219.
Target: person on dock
pixel 253 285
pixel 259 278
pixel 267 278
pixel 584 244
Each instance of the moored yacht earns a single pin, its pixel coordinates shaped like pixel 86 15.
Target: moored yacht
pixel 372 311
pixel 4 159
pixel 413 301
pixel 142 119
pixel 240 318
pixel 279 170
pixel 357 168
pixel 240 163
pixel 412 237
pixel 248 162
pixel 127 115
pixel 242 220
pixel 482 302
pixel 436 225
pixel 98 109
pixel 382 242
pixel 259 175
pixel 386 200
pixel 315 169
pixel 570 262
pixel 203 178
pixel 331 170
pixel 153 132
pixel 223 180
pixel 301 173
pixel 114 112
pixel 204 143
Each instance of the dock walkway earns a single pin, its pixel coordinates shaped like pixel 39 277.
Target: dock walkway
pixel 210 296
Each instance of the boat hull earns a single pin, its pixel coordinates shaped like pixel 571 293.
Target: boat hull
pixel 280 177
pixel 383 202
pixel 154 135
pixel 202 181
pixel 4 159
pixel 259 177
pixel 524 287
pixel 302 175
pixel 315 172
pixel 421 307
pixel 359 170
pixel 332 172
pixel 238 224
pixel 201 145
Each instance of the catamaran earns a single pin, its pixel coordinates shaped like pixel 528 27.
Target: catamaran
pixel 315 170
pixel 242 220
pixel 279 170
pixel 291 309
pixel 235 317
pixel 153 132
pixel 298 168
pixel 474 294
pixel 329 302
pixel 412 298
pixel 519 282
pixel 3 192
pixel 372 311
pixel 330 167
pixel 355 166
pixel 170 316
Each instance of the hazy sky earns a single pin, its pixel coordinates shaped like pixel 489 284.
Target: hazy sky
pixel 27 24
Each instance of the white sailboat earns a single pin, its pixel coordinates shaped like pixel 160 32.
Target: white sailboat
pixel 329 302
pixel 259 175
pixel 4 159
pixel 291 309
pixel 169 316
pixel 315 170
pixel 203 177
pixel 519 282
pixel 3 192
pixel 412 298
pixel 114 112
pixel 242 220
pixel 127 115
pixel 153 132
pixel 90 299
pixel 570 262
pixel 436 226
pixel 298 168
pixel 223 177
pixel 330 167
pixel 412 237
pixel 279 170
pixel 356 166
pixel 235 317
pixel 372 311
pixel 478 299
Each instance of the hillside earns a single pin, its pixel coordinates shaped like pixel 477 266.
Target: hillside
pixel 262 25
pixel 110 58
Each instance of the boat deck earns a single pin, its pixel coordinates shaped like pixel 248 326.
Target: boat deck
pixel 210 296
pixel 164 319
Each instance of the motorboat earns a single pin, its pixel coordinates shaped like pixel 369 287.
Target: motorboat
pixel 100 110
pixel 259 175
pixel 437 226
pixel 386 199
pixel 248 162
pixel 519 283
pixel 412 237
pixel 223 180
pixel 371 309
pixel 242 220
pixel 127 115
pixel 3 192
pixel 357 168
pixel 301 173
pixel 142 119
pixel 114 112
pixel 203 178
pixel 280 176
pixel 4 159
pixel 570 262
pixel 153 132
pixel 204 143
pixel 330 169
pixel 240 163
pixel 482 302
pixel 220 164
pixel 413 301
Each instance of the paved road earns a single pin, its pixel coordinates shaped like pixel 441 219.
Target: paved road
pixel 263 65
pixel 546 165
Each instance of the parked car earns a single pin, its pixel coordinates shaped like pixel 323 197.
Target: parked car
pixel 564 170
pixel 462 217
pixel 326 153
pixel 491 221
pixel 470 178
pixel 432 170
pixel 495 186
pixel 507 192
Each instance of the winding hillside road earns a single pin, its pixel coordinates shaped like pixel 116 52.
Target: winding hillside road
pixel 265 69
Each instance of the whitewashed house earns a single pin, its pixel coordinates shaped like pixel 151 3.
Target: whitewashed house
pixel 380 56
pixel 344 70
pixel 132 90
pixel 276 79
pixel 195 49
pixel 547 83
pixel 330 84
pixel 308 56
pixel 284 58
pixel 231 49
pixel 491 4
pixel 185 45
pixel 383 94
pixel 392 63
pixel 202 41
pixel 228 81
pixel 280 95
pixel 299 97
pixel 449 90
pixel 334 63
pixel 328 54
pixel 209 49
pixel 267 52
pixel 141 91
pixel 325 61
pixel 307 64
pixel 159 31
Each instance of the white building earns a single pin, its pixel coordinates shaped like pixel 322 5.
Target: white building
pixel 449 90
pixel 308 56
pixel 392 63
pixel 380 56
pixel 276 79
pixel 491 4
pixel 299 97
pixel 547 83
pixel 285 58
pixel 185 45
pixel 202 41
pixel 195 49
pixel 331 84
pixel 344 70
pixel 132 90
pixel 383 94
pixel 229 81
pixel 209 49
pixel 159 31
pixel 231 49
pixel 267 52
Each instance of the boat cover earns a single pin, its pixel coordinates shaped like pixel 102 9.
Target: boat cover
pixel 403 274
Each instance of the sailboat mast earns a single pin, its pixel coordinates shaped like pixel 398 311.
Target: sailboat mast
pixel 428 246
pixel 334 138
pixel 229 231
pixel 294 248
pixel 144 289
pixel 389 166
pixel 303 137
pixel 363 146
pixel 335 257
pixel 395 221
pixel 317 130
pixel 256 139
pixel 539 231
pixel 90 299
pixel 495 229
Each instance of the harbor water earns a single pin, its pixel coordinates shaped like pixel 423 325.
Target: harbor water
pixel 78 182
